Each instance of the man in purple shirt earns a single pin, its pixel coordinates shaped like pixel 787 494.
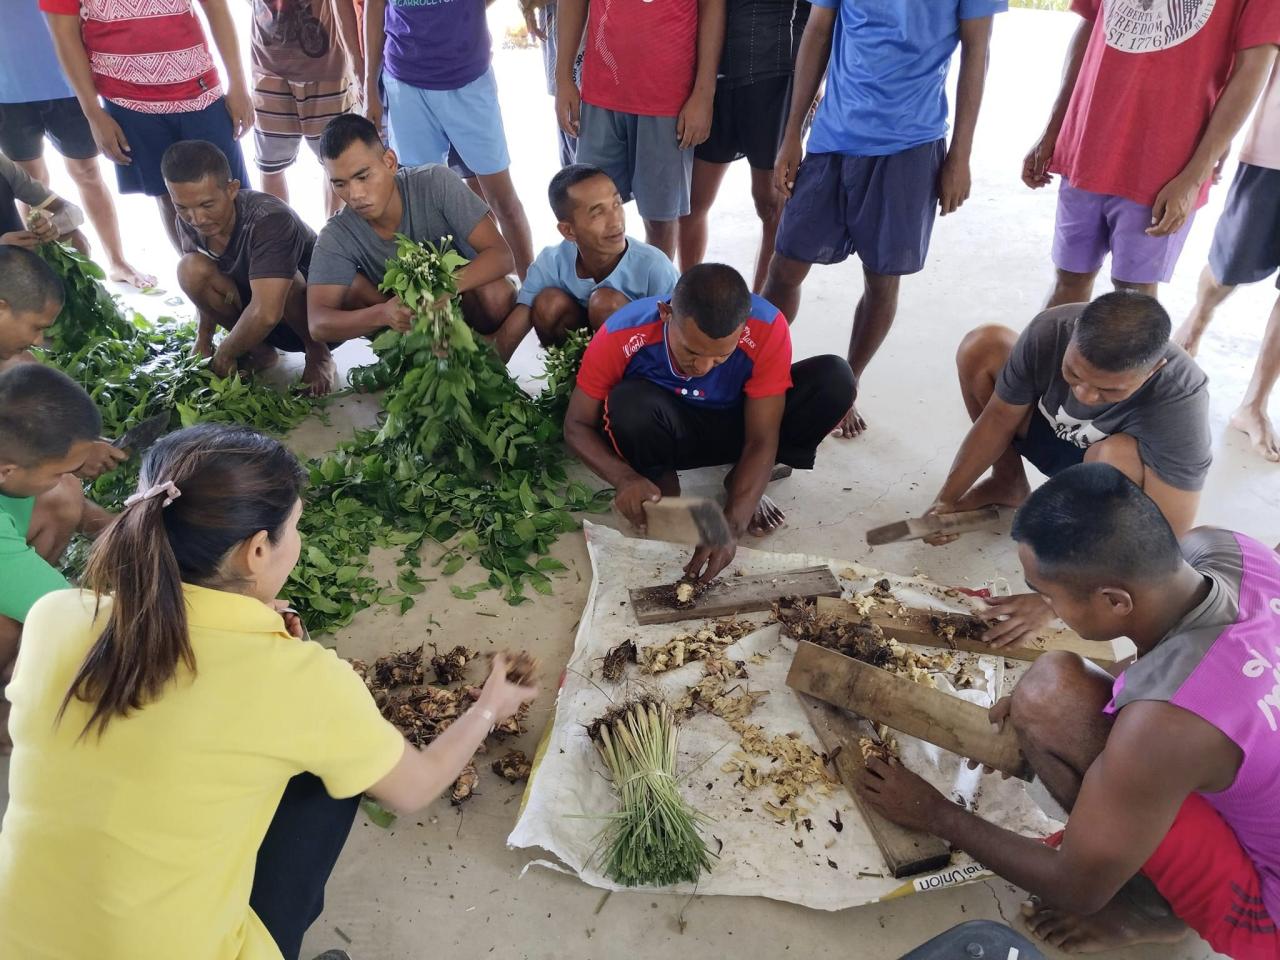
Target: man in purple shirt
pixel 432 60
pixel 1169 773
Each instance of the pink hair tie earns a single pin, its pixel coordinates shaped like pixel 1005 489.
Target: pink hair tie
pixel 168 490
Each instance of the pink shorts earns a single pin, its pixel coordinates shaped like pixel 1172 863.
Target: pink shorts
pixel 1091 225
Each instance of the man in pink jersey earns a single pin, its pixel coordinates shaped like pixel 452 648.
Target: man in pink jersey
pixel 1169 772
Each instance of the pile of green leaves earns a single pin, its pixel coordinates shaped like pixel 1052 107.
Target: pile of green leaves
pixel 463 458
pixel 134 369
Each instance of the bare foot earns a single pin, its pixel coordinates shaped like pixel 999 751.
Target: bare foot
pixel 1121 923
pixel 1262 435
pixel 995 491
pixel 1188 335
pixel 320 375
pixel 122 272
pixel 851 426
pixel 767 518
pixel 262 357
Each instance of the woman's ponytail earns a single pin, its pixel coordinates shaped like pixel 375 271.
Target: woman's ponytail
pixel 202 492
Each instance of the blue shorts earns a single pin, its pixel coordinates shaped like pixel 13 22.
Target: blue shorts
pixel 1246 243
pixel 881 208
pixel 150 134
pixel 424 123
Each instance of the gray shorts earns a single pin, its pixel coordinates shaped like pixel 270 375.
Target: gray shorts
pixel 1246 243
pixel 642 156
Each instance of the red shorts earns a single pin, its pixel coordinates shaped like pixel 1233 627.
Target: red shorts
pixel 1211 884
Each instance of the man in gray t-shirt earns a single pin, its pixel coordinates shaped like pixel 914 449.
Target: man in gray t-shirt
pixel 428 204
pixel 1084 382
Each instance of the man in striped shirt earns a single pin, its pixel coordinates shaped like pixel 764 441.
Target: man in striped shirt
pixel 151 65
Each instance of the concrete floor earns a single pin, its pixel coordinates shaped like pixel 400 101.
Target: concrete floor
pixel 444 882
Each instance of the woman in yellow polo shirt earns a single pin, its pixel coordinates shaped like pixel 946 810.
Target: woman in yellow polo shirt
pixel 159 715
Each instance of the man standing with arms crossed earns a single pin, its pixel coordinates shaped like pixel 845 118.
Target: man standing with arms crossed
pixel 878 167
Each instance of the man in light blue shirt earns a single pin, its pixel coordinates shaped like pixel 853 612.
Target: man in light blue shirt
pixel 596 269
pixel 35 102
pixel 878 167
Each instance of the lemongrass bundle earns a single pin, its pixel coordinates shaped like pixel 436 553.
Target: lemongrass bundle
pixel 654 839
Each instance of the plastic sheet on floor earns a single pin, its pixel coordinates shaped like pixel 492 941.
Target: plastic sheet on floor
pixel 569 795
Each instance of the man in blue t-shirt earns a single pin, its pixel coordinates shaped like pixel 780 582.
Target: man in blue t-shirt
pixel 596 269
pixel 36 102
pixel 878 167
pixel 433 59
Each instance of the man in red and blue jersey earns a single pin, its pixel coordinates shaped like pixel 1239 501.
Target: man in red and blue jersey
pixel 702 379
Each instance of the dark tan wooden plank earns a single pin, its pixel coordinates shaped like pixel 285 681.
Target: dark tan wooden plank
pixel 906 852
pixel 730 595
pixel 913 708
pixel 917 528
pixel 913 627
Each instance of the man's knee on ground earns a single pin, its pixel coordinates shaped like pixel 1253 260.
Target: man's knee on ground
pixel 195 273
pixel 1054 680
pixel 630 409
pixel 603 303
pixel 487 307
pixel 834 379
pixel 1120 451
pixel 984 348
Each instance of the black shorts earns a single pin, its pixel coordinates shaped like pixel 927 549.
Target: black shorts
pixel 1246 243
pixel 150 134
pixel 1044 449
pixel 747 121
pixel 23 127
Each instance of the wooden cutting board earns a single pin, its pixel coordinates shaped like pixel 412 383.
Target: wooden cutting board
pixel 731 595
pixel 912 708
pixel 913 626
pixel 906 852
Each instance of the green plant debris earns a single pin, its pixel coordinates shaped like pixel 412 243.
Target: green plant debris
pixel 463 458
